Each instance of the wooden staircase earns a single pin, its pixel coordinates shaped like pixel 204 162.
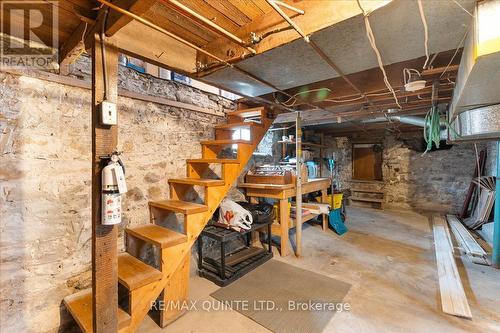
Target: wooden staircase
pixel 167 282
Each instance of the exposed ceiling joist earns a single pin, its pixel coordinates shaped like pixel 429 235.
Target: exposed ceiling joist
pixel 313 20
pixel 74 46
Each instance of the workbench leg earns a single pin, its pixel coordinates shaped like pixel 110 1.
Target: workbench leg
pixel 284 222
pixel 254 235
pixel 324 199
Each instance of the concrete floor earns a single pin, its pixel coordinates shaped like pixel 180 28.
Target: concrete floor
pixel 388 257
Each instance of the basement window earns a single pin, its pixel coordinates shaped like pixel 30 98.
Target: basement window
pixel 241 134
pixel 367 161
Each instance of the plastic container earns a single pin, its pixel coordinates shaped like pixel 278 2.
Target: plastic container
pixel 337 200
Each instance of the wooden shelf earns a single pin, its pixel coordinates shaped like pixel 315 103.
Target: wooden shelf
pixel 305 218
pixel 310 144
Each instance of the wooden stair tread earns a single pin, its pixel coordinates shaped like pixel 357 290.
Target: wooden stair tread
pixel 247 113
pixel 366 199
pixel 133 273
pixel 80 307
pixel 179 206
pixel 213 160
pixel 225 142
pixel 236 126
pixel 197 181
pixel 156 235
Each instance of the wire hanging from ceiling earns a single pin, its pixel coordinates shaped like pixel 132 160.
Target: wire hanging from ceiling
pixel 455 54
pixel 426 32
pixel 462 7
pixel 371 38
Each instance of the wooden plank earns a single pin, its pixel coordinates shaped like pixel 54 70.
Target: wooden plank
pixel 116 20
pixel 80 307
pixel 366 199
pixel 453 298
pixel 104 238
pixel 247 113
pixel 469 243
pixel 74 46
pixel 156 235
pixel 266 186
pixel 176 292
pixel 224 142
pixel 231 11
pixel 165 52
pixel 133 273
pixel 212 161
pixel 305 218
pixel 179 206
pixel 313 20
pixel 197 181
pixel 236 258
pixel 237 126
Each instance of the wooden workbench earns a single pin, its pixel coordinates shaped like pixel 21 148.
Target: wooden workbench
pixel 282 193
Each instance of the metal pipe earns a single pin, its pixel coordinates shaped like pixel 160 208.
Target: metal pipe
pixel 288 19
pixel 160 29
pixel 495 258
pixel 206 21
pixel 287 6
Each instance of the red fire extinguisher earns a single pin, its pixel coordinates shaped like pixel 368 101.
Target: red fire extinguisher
pixel 113 186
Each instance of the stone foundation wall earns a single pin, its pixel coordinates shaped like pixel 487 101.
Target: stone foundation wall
pixel 437 181
pixel 45 177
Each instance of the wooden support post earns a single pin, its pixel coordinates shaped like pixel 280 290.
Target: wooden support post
pixel 104 238
pixel 284 223
pixel 298 198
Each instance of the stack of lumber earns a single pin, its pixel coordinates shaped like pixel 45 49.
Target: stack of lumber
pixel 484 206
pixel 453 298
pixel 467 242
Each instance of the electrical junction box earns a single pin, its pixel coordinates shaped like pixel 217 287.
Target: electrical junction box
pixel 108 113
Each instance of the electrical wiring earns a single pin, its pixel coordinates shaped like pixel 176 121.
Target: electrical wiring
pixel 302 93
pixel 407 74
pixel 465 10
pixel 371 39
pixel 426 32
pixel 455 54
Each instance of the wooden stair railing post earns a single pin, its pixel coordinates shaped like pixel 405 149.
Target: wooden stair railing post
pixel 104 238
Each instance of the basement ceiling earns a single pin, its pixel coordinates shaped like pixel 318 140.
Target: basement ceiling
pixel 399 35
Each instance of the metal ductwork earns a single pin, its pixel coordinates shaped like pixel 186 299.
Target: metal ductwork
pixel 478 124
pixel 479 75
pixel 410 120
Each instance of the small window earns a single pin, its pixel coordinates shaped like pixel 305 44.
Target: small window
pixel 367 161
pixel 241 134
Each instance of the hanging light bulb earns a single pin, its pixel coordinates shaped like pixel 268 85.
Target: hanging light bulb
pixel 413 81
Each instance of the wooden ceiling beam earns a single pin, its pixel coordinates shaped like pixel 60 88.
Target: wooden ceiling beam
pixel 158 49
pixel 117 20
pixel 313 20
pixel 74 46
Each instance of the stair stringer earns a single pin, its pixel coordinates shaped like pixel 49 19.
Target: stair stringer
pixel 195 224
